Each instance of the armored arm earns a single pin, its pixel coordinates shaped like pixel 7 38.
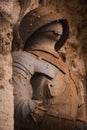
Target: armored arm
pixel 24 67
pixel 22 96
pixel 23 102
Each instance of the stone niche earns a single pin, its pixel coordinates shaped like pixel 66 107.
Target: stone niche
pixel 74 52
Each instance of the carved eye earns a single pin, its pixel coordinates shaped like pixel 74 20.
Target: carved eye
pixel 8 34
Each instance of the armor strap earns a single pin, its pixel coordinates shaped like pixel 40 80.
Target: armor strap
pixel 27 62
pixel 50 58
pixel 49 119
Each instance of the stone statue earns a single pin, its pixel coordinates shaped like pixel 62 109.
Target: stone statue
pixel 44 86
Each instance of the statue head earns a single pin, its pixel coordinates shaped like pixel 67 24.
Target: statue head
pixel 44 22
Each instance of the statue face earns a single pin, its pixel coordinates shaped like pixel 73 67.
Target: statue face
pixel 53 30
pixel 5 37
pixel 46 37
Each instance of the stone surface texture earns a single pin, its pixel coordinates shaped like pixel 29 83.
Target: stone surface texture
pixel 74 51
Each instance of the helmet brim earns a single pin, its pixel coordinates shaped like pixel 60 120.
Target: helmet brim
pixel 38 18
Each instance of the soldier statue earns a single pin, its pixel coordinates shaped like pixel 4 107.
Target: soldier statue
pixel 45 90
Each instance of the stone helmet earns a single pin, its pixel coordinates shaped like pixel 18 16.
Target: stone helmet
pixel 37 19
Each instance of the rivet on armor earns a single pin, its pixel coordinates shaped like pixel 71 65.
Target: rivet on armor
pixel 51 85
pixel 31 24
pixel 38 16
pixel 52 103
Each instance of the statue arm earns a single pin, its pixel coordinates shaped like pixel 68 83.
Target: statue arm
pixel 23 102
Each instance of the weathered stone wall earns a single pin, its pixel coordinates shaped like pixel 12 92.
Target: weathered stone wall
pixel 11 12
pixel 6 89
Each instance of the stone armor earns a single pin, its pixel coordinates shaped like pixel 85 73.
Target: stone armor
pixel 51 84
pixel 44 87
